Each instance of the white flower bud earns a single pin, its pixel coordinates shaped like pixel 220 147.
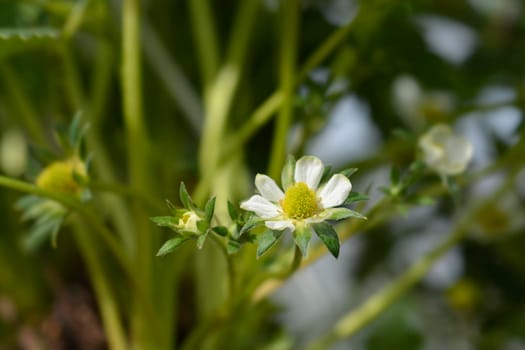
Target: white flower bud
pixel 444 151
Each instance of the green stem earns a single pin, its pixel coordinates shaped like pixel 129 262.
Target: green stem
pixel 132 93
pixel 289 39
pixel 205 38
pixel 105 298
pixel 144 334
pixel 123 190
pixel 229 264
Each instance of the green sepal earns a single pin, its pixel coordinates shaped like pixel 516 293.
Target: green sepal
pixel 355 197
pixel 171 245
pixel 326 173
pixel 209 209
pixel 55 230
pixel 233 246
pixel 43 228
pixel 348 172
pixel 287 174
pixel 164 221
pixel 341 213
pixel 171 207
pixel 266 240
pixel 203 226
pixel 220 230
pixel 232 210
pixel 80 179
pixel 76 132
pixel 185 197
pixel 328 236
pixel 302 236
pixel 201 240
pixel 250 224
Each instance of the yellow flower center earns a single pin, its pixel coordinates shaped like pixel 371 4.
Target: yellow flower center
pixel 300 202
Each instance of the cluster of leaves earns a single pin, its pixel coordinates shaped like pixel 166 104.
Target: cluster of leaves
pixel 48 214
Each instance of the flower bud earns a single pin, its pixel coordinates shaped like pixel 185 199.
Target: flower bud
pixel 64 177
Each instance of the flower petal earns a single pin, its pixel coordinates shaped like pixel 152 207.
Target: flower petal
pixel 335 191
pixel 261 207
pixel 309 169
pixel 280 225
pixel 268 188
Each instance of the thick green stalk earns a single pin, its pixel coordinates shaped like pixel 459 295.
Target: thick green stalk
pixel 105 297
pixel 289 39
pixel 205 38
pixel 144 336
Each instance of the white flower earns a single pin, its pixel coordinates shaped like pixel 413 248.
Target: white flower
pixel 303 202
pixel 444 151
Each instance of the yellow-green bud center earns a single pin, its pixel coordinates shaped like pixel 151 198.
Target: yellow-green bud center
pixel 59 177
pixel 188 222
pixel 300 202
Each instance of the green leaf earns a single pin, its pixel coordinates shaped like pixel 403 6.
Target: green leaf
pixel 171 245
pixel 302 236
pixel 348 172
pixel 355 197
pixel 328 236
pixel 55 230
pixel 201 240
pixel 232 210
pixel 171 206
pixel 266 240
pixel 341 213
pixel 27 202
pixel 220 230
pixel 165 221
pixel 185 197
pixel 29 34
pixel 233 246
pixel 287 174
pixel 209 209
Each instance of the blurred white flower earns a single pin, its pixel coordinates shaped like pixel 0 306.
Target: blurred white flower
pixel 417 106
pixel 444 151
pixel 13 152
